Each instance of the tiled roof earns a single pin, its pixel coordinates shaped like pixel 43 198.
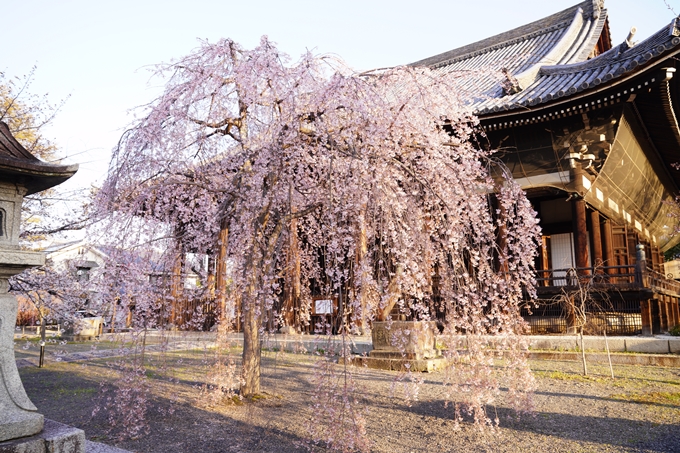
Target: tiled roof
pixel 557 81
pixel 548 60
pixel 563 38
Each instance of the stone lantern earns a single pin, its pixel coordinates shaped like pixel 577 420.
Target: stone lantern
pixel 21 174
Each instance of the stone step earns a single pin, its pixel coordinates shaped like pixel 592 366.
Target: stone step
pixel 57 438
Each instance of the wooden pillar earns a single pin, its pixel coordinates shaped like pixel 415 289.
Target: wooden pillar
pixel 673 320
pixel 578 207
pixel 596 240
pixel 656 258
pixel 646 313
pixel 676 307
pixel 663 313
pixel 655 315
pixel 544 272
pixel 670 310
pixel 608 246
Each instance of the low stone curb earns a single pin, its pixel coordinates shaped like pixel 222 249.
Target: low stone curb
pixel 668 360
pixel 648 345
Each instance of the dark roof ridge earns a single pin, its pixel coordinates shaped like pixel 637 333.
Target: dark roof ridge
pixel 10 147
pixel 17 162
pixel 519 39
pixel 653 45
pixel 539 27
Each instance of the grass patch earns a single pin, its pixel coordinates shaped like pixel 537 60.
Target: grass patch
pixel 70 391
pixel 650 398
pixel 567 376
pixel 560 375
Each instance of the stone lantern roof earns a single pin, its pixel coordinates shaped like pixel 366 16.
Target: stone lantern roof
pixel 19 166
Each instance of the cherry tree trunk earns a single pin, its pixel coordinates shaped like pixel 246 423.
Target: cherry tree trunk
pixel 176 286
pixel 221 277
pixel 251 349
pixel 394 294
pixel 361 250
pixel 291 306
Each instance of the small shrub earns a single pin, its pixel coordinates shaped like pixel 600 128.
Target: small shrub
pixel 675 331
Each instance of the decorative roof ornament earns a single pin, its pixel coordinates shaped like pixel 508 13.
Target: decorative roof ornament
pixel 629 40
pixel 509 84
pixel 628 43
pixel 674 29
pixel 598 6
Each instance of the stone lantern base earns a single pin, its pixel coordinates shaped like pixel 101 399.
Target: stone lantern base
pixel 18 415
pixel 55 437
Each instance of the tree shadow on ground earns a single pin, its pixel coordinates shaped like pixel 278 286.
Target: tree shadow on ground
pixel 605 398
pixel 612 431
pixel 66 394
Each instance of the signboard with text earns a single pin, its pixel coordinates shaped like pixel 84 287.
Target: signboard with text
pixel 324 305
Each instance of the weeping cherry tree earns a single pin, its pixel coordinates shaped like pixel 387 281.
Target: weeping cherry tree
pixel 373 177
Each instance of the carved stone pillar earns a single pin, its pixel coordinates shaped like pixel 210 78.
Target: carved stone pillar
pixel 18 416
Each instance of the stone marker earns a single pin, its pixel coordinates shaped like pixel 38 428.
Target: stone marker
pixel 404 345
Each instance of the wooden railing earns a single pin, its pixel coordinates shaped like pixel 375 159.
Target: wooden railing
pixel 658 282
pixel 617 277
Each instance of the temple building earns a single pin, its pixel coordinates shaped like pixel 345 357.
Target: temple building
pixel 590 131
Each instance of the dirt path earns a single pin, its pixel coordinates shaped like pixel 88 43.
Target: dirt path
pixel 637 412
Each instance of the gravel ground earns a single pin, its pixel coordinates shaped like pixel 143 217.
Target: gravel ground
pixel 639 411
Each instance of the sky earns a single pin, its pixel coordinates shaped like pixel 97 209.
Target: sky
pixel 100 54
